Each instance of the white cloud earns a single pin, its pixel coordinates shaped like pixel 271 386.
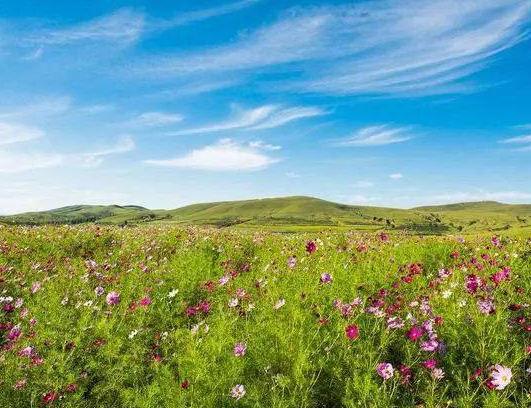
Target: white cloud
pixel 226 155
pixel 125 144
pixel 16 133
pixel 288 115
pixel 20 162
pixel 518 140
pixel 123 26
pixel 258 144
pixel 377 136
pixel 263 117
pixel 205 14
pixel 396 176
pixel 37 108
pixel 416 47
pixel 509 196
pixel 363 184
pixel 156 119
pixel 292 174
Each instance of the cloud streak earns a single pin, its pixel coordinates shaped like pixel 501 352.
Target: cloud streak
pixel 377 136
pixel 263 117
pixel 414 47
pixel 224 156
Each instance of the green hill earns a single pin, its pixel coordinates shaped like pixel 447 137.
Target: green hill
pixel 288 213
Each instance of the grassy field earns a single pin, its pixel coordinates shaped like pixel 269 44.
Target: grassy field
pixel 300 213
pixel 164 316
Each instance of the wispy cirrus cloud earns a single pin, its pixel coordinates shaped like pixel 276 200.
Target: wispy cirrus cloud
pixel 124 25
pixel 16 133
pixel 94 158
pixel 415 47
pixel 156 119
pixel 13 162
pixel 263 117
pixel 523 142
pixel 205 14
pixel 377 136
pixel 224 156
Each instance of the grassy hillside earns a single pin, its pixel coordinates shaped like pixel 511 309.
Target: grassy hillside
pixel 74 214
pixel 299 213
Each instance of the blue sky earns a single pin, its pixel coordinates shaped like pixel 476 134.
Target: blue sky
pixel 162 104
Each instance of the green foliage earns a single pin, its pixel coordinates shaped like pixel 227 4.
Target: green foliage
pixel 130 355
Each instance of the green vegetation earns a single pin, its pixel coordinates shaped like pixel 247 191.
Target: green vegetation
pixel 296 213
pixel 161 316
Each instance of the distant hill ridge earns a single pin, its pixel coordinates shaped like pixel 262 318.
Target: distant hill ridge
pixel 299 211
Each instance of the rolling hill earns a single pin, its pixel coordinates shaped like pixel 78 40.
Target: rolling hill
pixel 289 213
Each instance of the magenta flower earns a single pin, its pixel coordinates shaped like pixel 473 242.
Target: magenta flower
pixel 240 349
pixel 311 247
pixel 146 301
pixel 352 331
pixel 415 333
pixel 113 298
pixel 385 370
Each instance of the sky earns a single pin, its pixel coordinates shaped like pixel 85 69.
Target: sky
pixel 167 103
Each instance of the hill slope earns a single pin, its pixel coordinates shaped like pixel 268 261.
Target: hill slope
pixel 302 212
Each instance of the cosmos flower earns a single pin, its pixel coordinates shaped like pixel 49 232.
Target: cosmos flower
pixel 311 247
pixel 112 298
pixel 238 392
pixel 385 370
pixel 99 291
pixel 240 349
pixel 326 278
pixel 292 262
pixel 415 333
pixel 352 331
pixel 500 377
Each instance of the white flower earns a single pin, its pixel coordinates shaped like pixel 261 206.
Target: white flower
pixel 279 304
pixel 446 294
pixel 133 334
pixel 173 293
pixel 233 302
pixel 501 376
pixel 238 392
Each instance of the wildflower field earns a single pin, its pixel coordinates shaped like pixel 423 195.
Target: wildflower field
pixel 163 316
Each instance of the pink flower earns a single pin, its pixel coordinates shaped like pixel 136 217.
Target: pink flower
pixel 14 333
pixel 500 376
pixel 430 364
pixel 99 291
pixel 20 384
pixel 113 298
pixel 385 370
pixel 240 349
pixel 50 397
pixel 292 262
pixel 352 331
pixel 145 302
pixel 326 278
pixel 35 287
pixel 430 345
pixel 415 333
